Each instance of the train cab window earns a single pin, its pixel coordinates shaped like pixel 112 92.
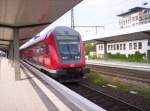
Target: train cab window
pixel 69 47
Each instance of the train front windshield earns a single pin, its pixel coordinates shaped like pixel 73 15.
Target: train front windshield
pixel 69 47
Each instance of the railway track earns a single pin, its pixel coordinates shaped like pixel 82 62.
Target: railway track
pixel 103 100
pixel 109 103
pixel 136 75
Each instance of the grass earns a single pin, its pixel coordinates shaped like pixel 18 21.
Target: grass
pixel 121 59
pixel 101 80
pixel 97 79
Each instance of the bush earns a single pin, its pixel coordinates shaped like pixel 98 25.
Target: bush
pixel 117 56
pixel 137 57
pixel 93 56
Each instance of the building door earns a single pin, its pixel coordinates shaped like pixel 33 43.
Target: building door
pixel 148 54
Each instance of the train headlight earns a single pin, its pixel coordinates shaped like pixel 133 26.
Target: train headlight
pixel 77 57
pixel 64 58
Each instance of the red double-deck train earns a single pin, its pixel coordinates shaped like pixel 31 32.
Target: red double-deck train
pixel 59 53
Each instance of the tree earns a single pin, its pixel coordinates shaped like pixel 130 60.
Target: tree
pixel 89 47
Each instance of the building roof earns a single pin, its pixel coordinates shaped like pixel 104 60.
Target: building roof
pixel 128 34
pixel 133 10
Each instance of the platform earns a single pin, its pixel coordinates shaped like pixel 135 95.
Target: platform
pixel 119 64
pixel 17 95
pixel 30 94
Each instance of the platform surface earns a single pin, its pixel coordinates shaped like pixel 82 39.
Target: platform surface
pixel 30 93
pixel 119 64
pixel 17 95
pixel 21 95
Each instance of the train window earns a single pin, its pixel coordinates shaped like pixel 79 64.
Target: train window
pixel 67 37
pixel 37 50
pixel 44 49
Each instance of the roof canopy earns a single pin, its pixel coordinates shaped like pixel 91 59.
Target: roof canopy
pixel 127 34
pixel 31 16
pixel 133 10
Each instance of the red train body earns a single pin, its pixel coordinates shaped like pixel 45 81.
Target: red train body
pixel 60 52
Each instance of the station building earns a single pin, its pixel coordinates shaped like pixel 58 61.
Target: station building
pixel 124 41
pixel 125 47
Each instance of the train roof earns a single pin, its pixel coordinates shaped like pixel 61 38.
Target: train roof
pixel 59 30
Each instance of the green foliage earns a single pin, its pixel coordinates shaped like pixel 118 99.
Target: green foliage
pixel 136 57
pixel 93 56
pixel 89 47
pixel 117 56
pixel 97 79
pixel 100 79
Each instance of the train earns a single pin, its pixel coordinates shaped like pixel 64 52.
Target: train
pixel 59 53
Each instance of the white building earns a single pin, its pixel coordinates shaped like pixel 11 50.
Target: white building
pixel 134 16
pixel 125 47
pixel 124 41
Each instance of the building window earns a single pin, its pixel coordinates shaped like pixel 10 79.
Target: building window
pixel 149 42
pixel 130 46
pixel 145 11
pixel 114 46
pixel 140 45
pixel 108 47
pixel 117 46
pixel 120 46
pixel 133 18
pixel 101 47
pixel 124 46
pixel 135 46
pixel 111 47
pixel 136 17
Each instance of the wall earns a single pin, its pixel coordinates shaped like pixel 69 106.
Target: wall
pixel 112 48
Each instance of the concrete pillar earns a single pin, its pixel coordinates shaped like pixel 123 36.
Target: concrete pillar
pixel 11 51
pixel 105 49
pixel 10 54
pixel 16 54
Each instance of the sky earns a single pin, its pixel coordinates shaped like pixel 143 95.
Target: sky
pixel 96 13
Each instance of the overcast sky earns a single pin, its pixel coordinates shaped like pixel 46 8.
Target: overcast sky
pixel 97 12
